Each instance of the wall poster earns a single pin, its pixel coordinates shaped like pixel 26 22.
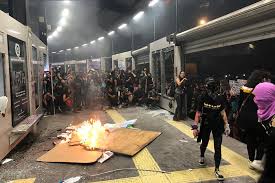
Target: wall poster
pixel 19 80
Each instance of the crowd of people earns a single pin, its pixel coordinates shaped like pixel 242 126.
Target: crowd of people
pixel 73 92
pixel 70 91
pixel 129 87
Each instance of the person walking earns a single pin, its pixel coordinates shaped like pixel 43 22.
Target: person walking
pixel 212 118
pixel 265 101
pixel 247 120
pixel 180 96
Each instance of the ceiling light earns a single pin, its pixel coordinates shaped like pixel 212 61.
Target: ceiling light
pixel 92 42
pixel 53 52
pixel 59 29
pixel 101 38
pixel 55 33
pixel 50 37
pixel 65 12
pixel 66 2
pixel 138 15
pixel 153 3
pixel 62 22
pixel 69 49
pixel 111 33
pixel 122 26
pixel 84 45
pixel 76 47
pixel 202 21
pixel 61 51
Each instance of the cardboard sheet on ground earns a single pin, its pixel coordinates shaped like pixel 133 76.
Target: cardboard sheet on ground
pixel 129 141
pixel 64 153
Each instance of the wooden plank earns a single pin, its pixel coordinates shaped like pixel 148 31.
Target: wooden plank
pixel 64 153
pixel 129 141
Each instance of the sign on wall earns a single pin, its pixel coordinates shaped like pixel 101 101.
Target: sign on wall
pixel 94 64
pixel 19 80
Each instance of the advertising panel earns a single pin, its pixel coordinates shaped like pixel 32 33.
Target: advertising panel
pixel 19 80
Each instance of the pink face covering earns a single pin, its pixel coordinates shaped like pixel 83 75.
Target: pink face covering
pixel 265 100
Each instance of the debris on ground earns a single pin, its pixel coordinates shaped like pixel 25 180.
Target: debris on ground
pixel 183 140
pixel 160 112
pixel 126 124
pixel 6 161
pixel 105 156
pixel 72 180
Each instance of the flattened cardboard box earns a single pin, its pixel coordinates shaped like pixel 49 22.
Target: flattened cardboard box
pixel 64 153
pixel 123 141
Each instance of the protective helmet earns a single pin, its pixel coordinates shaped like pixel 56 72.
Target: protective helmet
pixel 211 84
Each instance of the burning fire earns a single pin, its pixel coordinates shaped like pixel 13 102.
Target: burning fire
pixel 91 134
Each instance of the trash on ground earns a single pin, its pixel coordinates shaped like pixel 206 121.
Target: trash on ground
pixel 6 161
pixel 126 124
pixel 72 180
pixel 185 141
pixel 160 112
pixel 105 156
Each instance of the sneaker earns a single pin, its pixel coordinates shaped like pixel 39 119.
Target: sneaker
pixel 257 165
pixel 218 175
pixel 202 162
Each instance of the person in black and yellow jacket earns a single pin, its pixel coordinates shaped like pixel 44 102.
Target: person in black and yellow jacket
pixel 212 118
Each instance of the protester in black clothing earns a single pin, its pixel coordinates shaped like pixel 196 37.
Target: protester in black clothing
pixel 211 114
pixel 77 94
pixel 112 97
pixel 248 120
pixel 139 95
pixel 144 80
pixel 153 98
pixel 129 83
pixel 180 96
pixel 58 93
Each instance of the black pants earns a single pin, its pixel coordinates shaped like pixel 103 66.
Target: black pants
pixel 217 136
pixel 180 110
pixel 255 142
pixel 268 176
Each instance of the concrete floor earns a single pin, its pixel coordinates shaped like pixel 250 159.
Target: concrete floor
pixel 169 153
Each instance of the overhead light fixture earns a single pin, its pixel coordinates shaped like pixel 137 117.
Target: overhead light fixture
pixel 84 45
pixel 122 26
pixel 202 21
pixel 13 31
pixel 153 3
pixel 62 22
pixel 61 51
pixel 69 49
pixel 138 15
pixel 65 12
pixel 101 38
pixel 50 37
pixel 76 47
pixel 53 52
pixel 55 33
pixel 111 33
pixel 59 29
pixel 66 2
pixel 92 42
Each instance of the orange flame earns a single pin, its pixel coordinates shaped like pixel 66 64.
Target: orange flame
pixel 91 134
